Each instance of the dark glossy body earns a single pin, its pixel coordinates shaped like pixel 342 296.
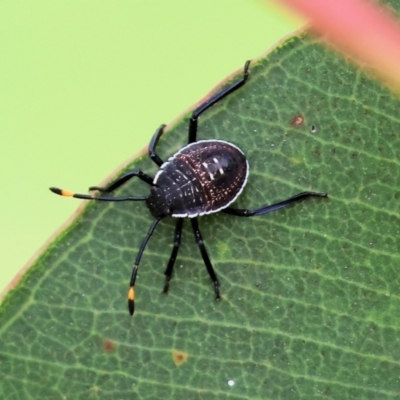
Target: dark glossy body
pixel 204 177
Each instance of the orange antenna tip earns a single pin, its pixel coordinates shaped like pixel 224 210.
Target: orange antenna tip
pixel 61 192
pixel 131 301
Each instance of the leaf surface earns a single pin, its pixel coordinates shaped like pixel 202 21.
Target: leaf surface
pixel 310 294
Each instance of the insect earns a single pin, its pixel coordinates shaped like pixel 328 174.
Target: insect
pixel 203 177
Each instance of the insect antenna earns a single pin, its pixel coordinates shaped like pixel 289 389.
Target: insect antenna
pixel 131 292
pixel 67 193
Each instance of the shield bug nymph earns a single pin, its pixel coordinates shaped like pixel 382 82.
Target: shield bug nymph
pixel 203 177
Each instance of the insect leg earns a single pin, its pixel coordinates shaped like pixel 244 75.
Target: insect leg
pixel 131 292
pixel 214 99
pixel 272 207
pixel 171 262
pixel 153 143
pixel 204 254
pixel 122 180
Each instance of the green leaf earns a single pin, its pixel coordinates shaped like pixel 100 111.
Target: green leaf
pixel 310 295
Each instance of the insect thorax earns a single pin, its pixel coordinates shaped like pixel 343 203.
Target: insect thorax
pixel 202 178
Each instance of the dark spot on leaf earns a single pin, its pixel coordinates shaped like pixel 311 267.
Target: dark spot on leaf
pixel 297 120
pixel 313 129
pixel 179 357
pixel 109 345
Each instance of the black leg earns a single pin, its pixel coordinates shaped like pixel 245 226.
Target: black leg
pixel 153 144
pixel 214 99
pixel 171 262
pixel 206 259
pixel 131 292
pixel 122 180
pixel 272 207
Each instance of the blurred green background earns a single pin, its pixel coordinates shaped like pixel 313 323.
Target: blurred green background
pixel 84 84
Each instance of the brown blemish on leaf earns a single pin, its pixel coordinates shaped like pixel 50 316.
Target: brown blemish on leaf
pixel 179 357
pixel 297 120
pixel 108 345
